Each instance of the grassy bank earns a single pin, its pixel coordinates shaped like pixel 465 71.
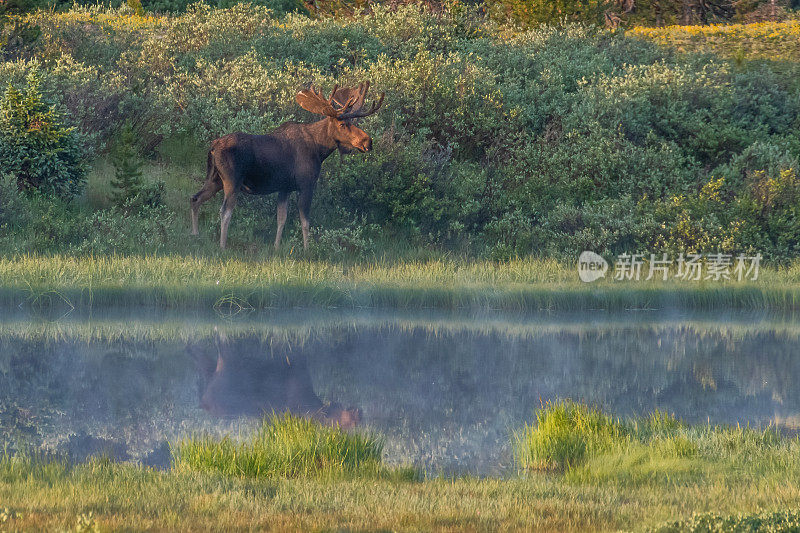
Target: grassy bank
pixel 237 284
pixel 589 446
pixel 127 497
pixel 760 485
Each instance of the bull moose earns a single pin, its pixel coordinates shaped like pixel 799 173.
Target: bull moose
pixel 287 159
pixel 240 379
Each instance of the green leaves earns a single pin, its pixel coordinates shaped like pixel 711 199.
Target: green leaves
pixel 36 146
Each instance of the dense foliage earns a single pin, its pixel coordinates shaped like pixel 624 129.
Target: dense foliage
pixel 35 146
pixel 763 521
pixel 493 141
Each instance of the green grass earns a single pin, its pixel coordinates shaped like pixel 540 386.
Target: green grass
pixel 232 285
pixel 589 446
pixel 564 435
pixel 296 326
pixel 285 446
pixel 737 479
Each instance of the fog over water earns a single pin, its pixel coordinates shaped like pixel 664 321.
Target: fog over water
pixel 446 390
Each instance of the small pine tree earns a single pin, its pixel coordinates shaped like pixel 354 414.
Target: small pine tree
pixel 128 181
pixel 36 146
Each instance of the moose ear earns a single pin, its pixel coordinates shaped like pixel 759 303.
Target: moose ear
pixel 310 101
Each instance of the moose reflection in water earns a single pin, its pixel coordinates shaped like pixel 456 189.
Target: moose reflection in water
pixel 239 377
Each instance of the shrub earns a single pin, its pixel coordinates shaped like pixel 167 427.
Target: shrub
pixel 492 140
pixel 537 12
pixel 136 7
pixel 754 522
pixel 36 146
pixel 350 240
pixel 14 209
pixel 280 7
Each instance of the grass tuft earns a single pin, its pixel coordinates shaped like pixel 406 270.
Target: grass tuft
pixel 285 446
pixel 566 433
pixel 589 446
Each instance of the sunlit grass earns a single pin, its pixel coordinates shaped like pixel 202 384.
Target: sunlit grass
pixel 763 521
pixel 231 285
pixel 589 446
pixel 650 472
pixel 285 446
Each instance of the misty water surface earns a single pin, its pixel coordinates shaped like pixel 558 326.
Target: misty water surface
pixel 446 390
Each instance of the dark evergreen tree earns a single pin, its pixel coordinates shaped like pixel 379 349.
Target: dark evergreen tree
pixel 128 181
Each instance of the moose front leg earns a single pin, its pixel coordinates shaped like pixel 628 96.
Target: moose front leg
pixel 304 206
pixel 283 211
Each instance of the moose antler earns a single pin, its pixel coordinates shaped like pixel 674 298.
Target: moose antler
pixel 350 100
pixel 356 110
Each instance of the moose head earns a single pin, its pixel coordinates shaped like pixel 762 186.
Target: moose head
pixel 342 108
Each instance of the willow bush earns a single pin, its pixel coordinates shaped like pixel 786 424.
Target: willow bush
pixel 493 141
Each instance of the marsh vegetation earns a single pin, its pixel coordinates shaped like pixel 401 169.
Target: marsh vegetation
pixel 502 152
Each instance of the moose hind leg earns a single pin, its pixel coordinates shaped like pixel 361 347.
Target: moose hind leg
pixel 225 213
pixel 206 193
pixel 283 211
pixel 304 207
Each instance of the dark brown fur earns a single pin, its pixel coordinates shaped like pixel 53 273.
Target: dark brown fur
pixel 286 160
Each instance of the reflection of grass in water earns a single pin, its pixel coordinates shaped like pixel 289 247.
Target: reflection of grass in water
pixel 589 446
pixel 298 326
pixel 287 446
pixel 522 284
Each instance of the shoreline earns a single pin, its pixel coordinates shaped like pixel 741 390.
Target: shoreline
pixel 233 285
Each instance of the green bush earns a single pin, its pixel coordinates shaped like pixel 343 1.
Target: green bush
pixel 279 7
pixel 36 146
pixel 553 12
pixel 492 141
pixel 740 523
pixel 639 13
pixel 12 204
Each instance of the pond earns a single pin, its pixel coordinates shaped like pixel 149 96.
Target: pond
pixel 447 390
